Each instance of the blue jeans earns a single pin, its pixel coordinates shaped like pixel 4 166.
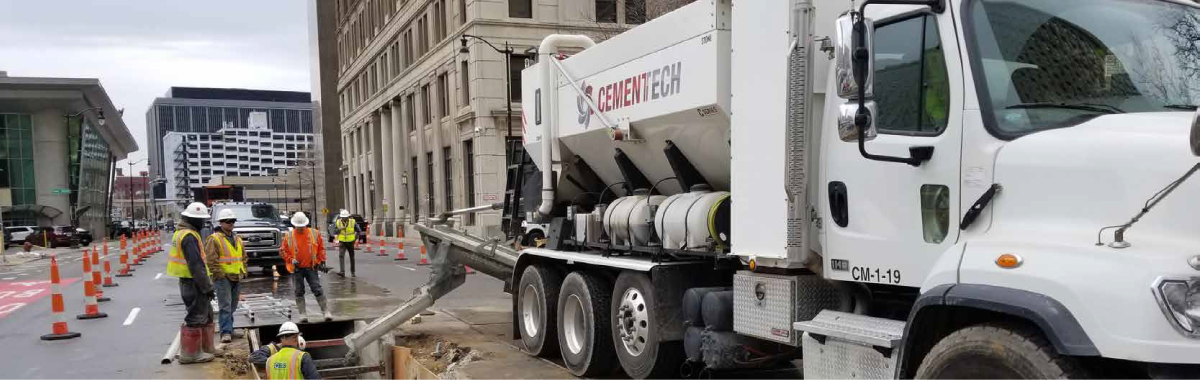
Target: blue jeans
pixel 227 298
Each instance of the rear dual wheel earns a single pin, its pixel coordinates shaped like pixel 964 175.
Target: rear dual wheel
pixel 584 324
pixel 537 306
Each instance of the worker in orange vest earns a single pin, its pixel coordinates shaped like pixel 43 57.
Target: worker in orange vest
pixel 304 255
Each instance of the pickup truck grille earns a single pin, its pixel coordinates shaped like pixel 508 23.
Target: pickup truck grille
pixel 259 239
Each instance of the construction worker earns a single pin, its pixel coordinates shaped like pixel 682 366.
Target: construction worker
pixel 260 356
pixel 290 361
pixel 304 253
pixel 227 264
pixel 346 238
pixel 186 262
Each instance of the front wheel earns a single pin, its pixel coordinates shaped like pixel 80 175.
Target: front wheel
pixel 996 351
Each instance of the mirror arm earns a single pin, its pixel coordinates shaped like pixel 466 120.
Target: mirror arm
pixel 862 117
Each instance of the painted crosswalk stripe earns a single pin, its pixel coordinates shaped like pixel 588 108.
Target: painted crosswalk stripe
pixel 132 315
pixel 157 276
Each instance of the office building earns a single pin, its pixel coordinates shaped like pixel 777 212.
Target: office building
pixel 209 113
pixel 420 127
pixel 60 139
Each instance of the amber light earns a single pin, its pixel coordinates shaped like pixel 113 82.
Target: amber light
pixel 1008 261
pixel 753 265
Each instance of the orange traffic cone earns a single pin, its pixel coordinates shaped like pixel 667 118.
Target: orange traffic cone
pixel 424 258
pixel 108 281
pixel 469 270
pixel 370 248
pixel 137 250
pixel 400 253
pixel 90 310
pixel 58 329
pixel 95 272
pixel 381 242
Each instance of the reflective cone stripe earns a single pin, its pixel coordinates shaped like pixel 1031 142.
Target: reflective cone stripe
pixel 90 309
pixel 424 258
pixel 400 254
pixel 108 281
pixel 58 328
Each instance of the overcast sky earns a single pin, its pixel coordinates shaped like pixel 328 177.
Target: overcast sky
pixel 140 48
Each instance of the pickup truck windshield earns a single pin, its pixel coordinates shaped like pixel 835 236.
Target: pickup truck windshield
pixel 252 212
pixel 1057 63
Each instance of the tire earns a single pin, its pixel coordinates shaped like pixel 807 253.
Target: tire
pixel 996 351
pixel 531 238
pixel 635 332
pixel 584 326
pixel 537 306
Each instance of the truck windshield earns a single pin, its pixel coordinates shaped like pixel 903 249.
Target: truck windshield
pixel 1058 63
pixel 254 212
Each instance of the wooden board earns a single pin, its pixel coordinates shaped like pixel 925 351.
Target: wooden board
pixel 407 367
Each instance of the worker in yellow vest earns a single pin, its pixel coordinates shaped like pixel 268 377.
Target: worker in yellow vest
pixel 227 263
pixel 346 237
pixel 290 362
pixel 186 262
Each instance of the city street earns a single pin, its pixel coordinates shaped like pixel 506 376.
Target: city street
pixel 145 312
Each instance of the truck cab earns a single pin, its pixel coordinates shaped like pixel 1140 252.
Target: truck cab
pixel 261 231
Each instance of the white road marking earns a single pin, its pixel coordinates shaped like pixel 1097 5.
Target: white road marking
pixel 157 276
pixel 412 269
pixel 9 278
pixel 132 315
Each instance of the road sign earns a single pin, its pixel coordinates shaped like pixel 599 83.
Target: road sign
pixel 60 191
pixel 325 211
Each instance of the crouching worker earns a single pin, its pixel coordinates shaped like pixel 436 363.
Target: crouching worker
pixel 286 359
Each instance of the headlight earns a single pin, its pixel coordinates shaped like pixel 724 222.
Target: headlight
pixel 1180 302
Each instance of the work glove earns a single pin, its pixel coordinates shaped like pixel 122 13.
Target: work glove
pixel 212 294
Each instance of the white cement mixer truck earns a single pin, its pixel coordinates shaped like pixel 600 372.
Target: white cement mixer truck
pixel 888 188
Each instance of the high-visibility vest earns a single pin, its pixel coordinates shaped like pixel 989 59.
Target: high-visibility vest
pixel 346 230
pixel 285 364
pixel 295 244
pixel 231 254
pixel 176 264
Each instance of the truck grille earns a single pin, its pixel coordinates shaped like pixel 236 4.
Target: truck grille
pixel 260 238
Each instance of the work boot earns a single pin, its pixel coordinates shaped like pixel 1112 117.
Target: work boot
pixel 238 334
pixel 300 309
pixel 324 308
pixel 210 338
pixel 191 345
pixel 226 338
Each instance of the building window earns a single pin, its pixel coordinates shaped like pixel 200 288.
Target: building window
pixel 635 11
pixel 448 173
pixel 423 35
pixel 439 21
pixel 465 88
pixel 462 12
pixel 409 104
pixel 516 63
pixel 524 8
pixel 469 178
pixel 606 11
pixel 415 202
pixel 444 94
pixel 425 100
pixel 408 49
pixel 429 181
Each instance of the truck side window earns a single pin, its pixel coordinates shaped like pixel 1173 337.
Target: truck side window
pixel 911 85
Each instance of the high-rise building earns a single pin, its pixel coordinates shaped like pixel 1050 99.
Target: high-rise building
pixel 208 113
pixel 420 127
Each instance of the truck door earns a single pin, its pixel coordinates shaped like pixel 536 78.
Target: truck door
pixel 888 222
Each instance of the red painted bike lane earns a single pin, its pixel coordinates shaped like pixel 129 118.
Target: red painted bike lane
pixel 15 295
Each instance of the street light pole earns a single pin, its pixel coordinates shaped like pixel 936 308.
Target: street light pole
pixel 508 52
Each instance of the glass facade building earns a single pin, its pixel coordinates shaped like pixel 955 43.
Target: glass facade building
pixel 90 163
pixel 17 171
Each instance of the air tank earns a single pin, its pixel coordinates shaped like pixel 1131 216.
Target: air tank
pixel 627 220
pixel 697 220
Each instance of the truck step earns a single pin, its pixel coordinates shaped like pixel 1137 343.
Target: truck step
pixel 844 345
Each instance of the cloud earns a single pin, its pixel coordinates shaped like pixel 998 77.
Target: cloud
pixel 140 48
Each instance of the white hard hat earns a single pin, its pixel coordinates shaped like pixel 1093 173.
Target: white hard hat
pixel 196 210
pixel 302 343
pixel 299 219
pixel 288 328
pixel 344 214
pixel 226 214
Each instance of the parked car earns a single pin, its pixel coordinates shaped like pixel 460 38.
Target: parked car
pixel 53 237
pixel 85 236
pixel 16 235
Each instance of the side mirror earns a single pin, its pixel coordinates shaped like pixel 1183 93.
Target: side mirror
pixel 846 71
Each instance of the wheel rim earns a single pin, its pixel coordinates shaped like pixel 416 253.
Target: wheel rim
pixel 574 326
pixel 633 321
pixel 531 314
